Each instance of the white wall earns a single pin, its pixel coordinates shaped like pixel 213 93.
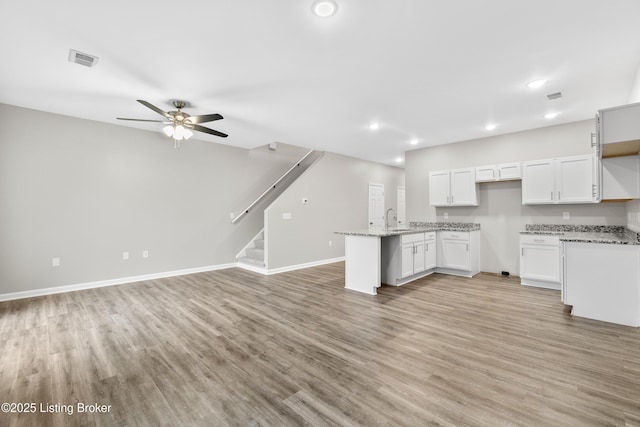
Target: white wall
pixel 634 96
pixel 500 211
pixel 86 191
pixel 337 189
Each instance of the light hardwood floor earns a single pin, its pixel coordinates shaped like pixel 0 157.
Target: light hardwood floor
pixel 236 348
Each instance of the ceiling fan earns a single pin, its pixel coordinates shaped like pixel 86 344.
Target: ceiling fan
pixel 180 124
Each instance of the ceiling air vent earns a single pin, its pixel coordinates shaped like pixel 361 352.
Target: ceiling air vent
pixel 555 95
pixel 82 58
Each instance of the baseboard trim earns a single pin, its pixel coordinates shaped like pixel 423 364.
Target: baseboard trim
pixel 110 282
pixel 304 265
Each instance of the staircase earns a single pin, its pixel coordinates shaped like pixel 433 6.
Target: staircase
pixel 252 256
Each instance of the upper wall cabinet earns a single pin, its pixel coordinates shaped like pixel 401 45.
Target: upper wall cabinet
pixel 621 178
pixel 618 130
pixel 453 188
pixel 573 179
pixel 503 172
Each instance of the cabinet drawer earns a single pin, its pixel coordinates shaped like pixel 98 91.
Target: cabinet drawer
pixel 429 237
pixel 412 238
pixel 539 239
pixel 455 235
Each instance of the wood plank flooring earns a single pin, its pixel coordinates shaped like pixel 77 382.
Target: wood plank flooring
pixel 236 348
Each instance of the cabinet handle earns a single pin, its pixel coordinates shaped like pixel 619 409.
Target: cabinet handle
pixel 552 195
pixel 467 247
pixel 539 240
pixel 558 195
pixel 593 140
pixel 451 199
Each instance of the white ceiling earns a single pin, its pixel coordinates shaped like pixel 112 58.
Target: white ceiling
pixel 438 71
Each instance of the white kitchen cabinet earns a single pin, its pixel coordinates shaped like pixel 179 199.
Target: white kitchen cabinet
pixel 455 187
pixel 501 172
pixel 430 251
pixel 538 182
pixel 540 262
pixel 458 253
pixel 573 179
pixel 407 257
pixel 619 130
pixel 602 281
pixel 621 178
pixel 412 254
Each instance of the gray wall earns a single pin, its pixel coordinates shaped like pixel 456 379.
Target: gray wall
pixel 86 191
pixel 337 189
pixel 500 211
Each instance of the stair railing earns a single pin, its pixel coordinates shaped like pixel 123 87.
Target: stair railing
pixel 271 188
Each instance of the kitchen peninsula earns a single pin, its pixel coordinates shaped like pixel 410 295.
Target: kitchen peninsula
pixel 397 256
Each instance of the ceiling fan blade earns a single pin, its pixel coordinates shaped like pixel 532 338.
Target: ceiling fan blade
pixel 140 120
pixel 207 130
pixel 156 109
pixel 204 118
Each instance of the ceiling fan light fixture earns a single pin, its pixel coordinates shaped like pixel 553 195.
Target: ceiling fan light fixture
pixel 168 130
pixel 324 8
pixel 178 132
pixel 187 133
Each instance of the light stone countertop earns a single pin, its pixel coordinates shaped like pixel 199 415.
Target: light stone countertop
pixel 415 227
pixel 617 235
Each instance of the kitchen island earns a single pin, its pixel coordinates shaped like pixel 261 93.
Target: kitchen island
pixel 399 255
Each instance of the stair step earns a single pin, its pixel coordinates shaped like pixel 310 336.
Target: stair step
pixel 259 243
pixel 255 253
pixel 251 261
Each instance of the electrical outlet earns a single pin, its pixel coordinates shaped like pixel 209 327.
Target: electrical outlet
pixel 330 243
pixel 145 254
pixel 286 215
pixel 232 215
pixel 566 215
pixel 55 262
pixel 446 215
pixel 125 255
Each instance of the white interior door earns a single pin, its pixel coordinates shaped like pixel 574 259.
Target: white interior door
pixel 402 207
pixel 376 205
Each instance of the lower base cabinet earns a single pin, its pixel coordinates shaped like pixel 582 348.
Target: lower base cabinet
pixel 408 257
pixel 602 281
pixel 540 262
pixel 458 253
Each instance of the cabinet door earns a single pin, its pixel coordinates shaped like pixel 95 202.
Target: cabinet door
pixel 463 187
pixel 538 183
pixel 540 262
pixel 509 171
pixel 407 260
pixel 439 188
pixel 485 173
pixel 418 257
pixel 574 179
pixel 455 254
pixel 430 259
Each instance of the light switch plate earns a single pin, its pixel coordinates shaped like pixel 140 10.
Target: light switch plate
pixel 446 215
pixel 286 215
pixel 55 262
pixel 566 215
pixel 125 255
pixel 145 254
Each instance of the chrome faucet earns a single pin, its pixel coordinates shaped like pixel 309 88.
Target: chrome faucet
pixel 386 218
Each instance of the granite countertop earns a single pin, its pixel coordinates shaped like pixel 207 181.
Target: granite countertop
pixel 615 234
pixel 414 227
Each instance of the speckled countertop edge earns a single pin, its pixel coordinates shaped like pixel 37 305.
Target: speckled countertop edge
pixel 608 234
pixel 415 227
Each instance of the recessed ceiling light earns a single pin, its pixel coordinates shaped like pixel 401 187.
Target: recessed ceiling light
pixel 324 8
pixel 536 84
pixel 398 159
pixel 374 126
pixel 490 126
pixel 550 115
pixel 413 142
